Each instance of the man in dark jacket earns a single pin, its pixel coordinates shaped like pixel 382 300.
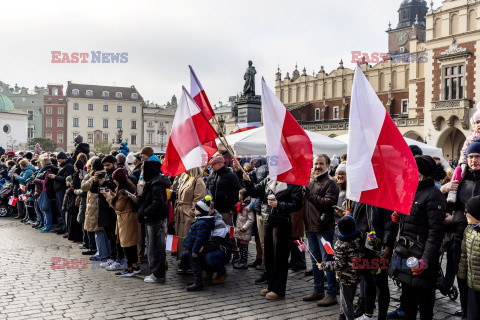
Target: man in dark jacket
pixel 137 162
pixel 223 186
pixel 279 201
pixel 378 220
pixel 469 188
pixel 81 147
pixel 421 236
pixel 153 211
pixel 60 185
pixel 320 195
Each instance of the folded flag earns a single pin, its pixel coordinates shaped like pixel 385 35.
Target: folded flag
pixel 12 201
pixel 172 243
pixel 300 244
pixel 328 246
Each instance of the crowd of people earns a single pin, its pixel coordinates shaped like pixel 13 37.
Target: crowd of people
pixel 120 208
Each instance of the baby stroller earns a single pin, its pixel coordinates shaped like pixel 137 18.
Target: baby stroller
pixel 452 292
pixel 5 192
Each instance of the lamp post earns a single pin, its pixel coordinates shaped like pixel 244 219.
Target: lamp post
pixel 120 133
pixel 221 121
pixel 162 140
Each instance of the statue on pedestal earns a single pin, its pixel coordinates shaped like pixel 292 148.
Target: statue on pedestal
pixel 249 77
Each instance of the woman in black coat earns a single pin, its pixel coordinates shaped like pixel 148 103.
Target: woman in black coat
pixel 421 235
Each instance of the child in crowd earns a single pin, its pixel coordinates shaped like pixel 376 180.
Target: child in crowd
pixel 243 228
pixel 469 267
pixel 462 167
pixel 3 177
pixel 349 246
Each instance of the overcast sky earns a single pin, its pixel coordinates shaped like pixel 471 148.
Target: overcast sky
pixel 217 37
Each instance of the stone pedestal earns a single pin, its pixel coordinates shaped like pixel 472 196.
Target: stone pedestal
pixel 249 109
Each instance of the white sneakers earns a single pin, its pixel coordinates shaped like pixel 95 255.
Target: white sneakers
pixel 114 266
pixel 150 279
pixel 105 264
pixel 364 317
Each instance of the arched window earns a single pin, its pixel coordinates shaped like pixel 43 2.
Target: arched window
pixel 454 24
pixel 118 95
pixel 381 82
pixel 404 15
pixel 89 93
pixel 75 92
pixel 54 91
pixel 472 20
pixel 134 96
pixel 105 94
pixel 306 93
pixel 334 88
pixel 437 28
pixel 394 80
pixel 407 77
pixel 282 96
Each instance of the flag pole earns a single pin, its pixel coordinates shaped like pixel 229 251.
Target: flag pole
pixel 226 145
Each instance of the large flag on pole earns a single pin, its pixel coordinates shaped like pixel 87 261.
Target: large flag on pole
pixel 289 149
pixel 381 170
pixel 199 95
pixel 190 129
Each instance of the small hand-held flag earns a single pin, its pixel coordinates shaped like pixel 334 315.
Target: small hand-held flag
pixel 300 244
pixel 172 243
pixel 328 246
pixel 12 201
pixel 381 170
pixel 289 149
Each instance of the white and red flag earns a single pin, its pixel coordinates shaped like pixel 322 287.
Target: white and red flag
pixel 12 201
pixel 240 127
pixel 381 170
pixel 289 149
pixel 23 187
pixel 231 231
pixel 172 243
pixel 190 130
pixel 300 244
pixel 327 245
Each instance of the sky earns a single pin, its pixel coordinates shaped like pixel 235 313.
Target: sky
pixel 161 38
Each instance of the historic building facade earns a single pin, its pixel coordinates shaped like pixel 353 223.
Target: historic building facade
pixel 104 113
pixel 426 83
pixel 28 101
pixel 55 115
pixel 13 124
pixel 157 124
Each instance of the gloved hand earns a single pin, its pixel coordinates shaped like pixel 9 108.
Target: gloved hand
pixel 422 265
pixel 395 217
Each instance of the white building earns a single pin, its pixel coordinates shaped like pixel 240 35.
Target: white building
pixel 14 124
pixel 157 124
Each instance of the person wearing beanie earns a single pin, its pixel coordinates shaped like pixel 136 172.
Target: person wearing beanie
pixel 128 227
pixel 28 156
pixel 423 229
pixel 137 170
pixel 60 186
pixel 416 150
pixel 80 147
pixel 469 267
pixel 349 252
pixel 341 179
pixel 146 153
pixel 153 211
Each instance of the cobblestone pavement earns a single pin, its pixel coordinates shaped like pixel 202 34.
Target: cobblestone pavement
pixel 31 289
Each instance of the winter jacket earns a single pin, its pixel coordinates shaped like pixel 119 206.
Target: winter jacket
pixel 199 233
pixel 257 176
pixel 469 188
pixel 289 198
pixel 137 171
pixel 26 174
pixel 469 267
pixel 370 218
pixel 42 176
pixel 82 147
pixel 223 185
pixel 345 253
pixel 91 211
pixel 153 203
pixel 245 220
pixel 128 229
pixel 106 215
pixel 66 169
pixel 320 195
pixel 425 226
pixel 124 148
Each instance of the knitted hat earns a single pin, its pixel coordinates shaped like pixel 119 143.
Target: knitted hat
pixel 120 175
pixel 476 115
pixel 347 227
pixel 61 155
pixel 204 205
pixel 79 164
pixel 28 155
pixel 474 147
pixel 97 165
pixel 10 153
pixel 416 150
pixel 78 139
pixel 342 167
pixel 426 165
pixel 148 151
pixel 130 158
pixel 473 207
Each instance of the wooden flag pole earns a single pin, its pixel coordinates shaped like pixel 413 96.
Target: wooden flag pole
pixel 226 145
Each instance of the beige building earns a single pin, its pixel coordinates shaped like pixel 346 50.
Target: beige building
pixel 427 84
pixel 157 124
pixel 104 113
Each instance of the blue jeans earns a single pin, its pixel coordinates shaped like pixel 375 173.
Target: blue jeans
pixel 318 251
pixel 91 241
pixel 103 245
pixel 47 216
pixel 214 261
pixel 59 195
pixel 156 247
pixel 38 212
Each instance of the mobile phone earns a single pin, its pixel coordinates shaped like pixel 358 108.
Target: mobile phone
pixel 130 194
pixel 337 208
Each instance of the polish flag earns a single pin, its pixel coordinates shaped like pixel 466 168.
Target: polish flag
pixel 201 99
pixel 300 244
pixel 172 243
pixel 231 231
pixel 327 245
pixel 190 130
pixel 12 201
pixel 289 149
pixel 381 170
pixel 240 127
pixel 23 187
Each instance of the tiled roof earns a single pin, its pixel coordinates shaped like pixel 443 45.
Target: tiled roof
pixel 98 92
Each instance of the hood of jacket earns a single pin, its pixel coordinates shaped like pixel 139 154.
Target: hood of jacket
pixel 29 167
pixel 151 169
pixel 161 180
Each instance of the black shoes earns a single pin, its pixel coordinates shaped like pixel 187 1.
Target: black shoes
pixel 89 253
pixel 197 285
pixel 262 279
